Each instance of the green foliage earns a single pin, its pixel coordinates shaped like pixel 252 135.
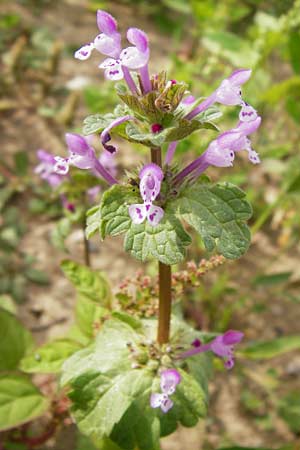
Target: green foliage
pixel 217 213
pixel 50 357
pixel 93 219
pixel 110 395
pixel 91 284
pixel 272 348
pixel 20 401
pixel 289 410
pixel 15 341
pixel 165 242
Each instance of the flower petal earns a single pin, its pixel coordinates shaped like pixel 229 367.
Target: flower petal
pixel 61 166
pixel 218 156
pixel 138 38
pixel 149 187
pixel 156 400
pixel 114 73
pixel 232 337
pixel 77 143
pixel 108 45
pixel 154 215
pixel 166 405
pixel 240 76
pixel 133 58
pixel 228 94
pixel 137 213
pixel 84 52
pixel 106 23
pixel 169 380
pixel 247 113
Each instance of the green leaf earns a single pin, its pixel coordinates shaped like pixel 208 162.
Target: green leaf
pixel 294 45
pixel 191 400
pixel 270 349
pixel 102 382
pixel 114 209
pixel 186 127
pixel 166 242
pixel 88 313
pixel 272 279
pixel 89 283
pixel 217 213
pixel 109 353
pixel 15 341
pixel 7 303
pixel 229 46
pixel 289 410
pixel 93 218
pixel 107 399
pixel 50 357
pixel 21 163
pixel 20 401
pixel 37 276
pixel 96 123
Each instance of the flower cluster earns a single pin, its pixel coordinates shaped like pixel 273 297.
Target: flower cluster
pixel 120 62
pixel 222 346
pixel 169 94
pixel 169 380
pixel 221 151
pixel 151 177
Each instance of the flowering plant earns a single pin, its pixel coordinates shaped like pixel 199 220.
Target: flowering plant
pixel 132 378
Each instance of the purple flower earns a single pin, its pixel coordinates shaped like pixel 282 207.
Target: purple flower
pixel 46 168
pixel 228 93
pixel 141 211
pixel 169 380
pixel 222 346
pixel 105 135
pixel 221 151
pixel 108 42
pixel 81 155
pixel 137 57
pixel 92 193
pixel 108 161
pixel 151 177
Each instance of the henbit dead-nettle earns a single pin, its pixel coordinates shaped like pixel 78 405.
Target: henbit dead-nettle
pixel 150 205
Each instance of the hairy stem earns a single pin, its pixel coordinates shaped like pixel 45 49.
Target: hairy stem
pixel 165 294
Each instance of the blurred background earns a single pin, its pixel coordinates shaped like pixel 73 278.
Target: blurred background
pixel 46 92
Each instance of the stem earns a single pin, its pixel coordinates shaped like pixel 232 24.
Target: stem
pixel 165 293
